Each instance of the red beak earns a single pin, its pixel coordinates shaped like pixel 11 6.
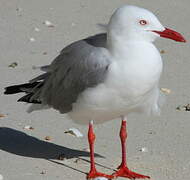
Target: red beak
pixel 170 34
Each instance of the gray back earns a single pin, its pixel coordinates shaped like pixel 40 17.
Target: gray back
pixel 81 65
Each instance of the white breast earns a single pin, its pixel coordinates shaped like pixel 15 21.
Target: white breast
pixel 131 83
pixel 137 70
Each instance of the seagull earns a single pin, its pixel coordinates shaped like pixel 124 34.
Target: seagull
pixel 104 77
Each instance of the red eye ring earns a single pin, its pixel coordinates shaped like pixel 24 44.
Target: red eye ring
pixel 143 22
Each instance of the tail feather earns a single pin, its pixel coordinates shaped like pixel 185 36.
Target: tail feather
pixel 20 88
pixel 32 89
pixel 29 88
pixel 28 98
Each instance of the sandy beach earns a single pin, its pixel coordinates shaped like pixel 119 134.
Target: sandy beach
pixel 157 146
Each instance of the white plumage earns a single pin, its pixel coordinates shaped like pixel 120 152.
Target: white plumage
pixel 132 81
pixel 107 75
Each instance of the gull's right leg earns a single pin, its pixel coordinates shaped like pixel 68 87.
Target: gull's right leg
pixel 123 170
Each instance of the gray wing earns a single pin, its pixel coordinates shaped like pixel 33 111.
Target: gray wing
pixel 79 66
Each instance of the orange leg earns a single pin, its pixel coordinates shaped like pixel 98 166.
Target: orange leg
pixel 123 170
pixel 93 172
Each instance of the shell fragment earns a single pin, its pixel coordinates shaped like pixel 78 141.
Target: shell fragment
pixel 48 23
pixel 74 132
pixel 165 90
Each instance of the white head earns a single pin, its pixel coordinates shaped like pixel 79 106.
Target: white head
pixel 138 24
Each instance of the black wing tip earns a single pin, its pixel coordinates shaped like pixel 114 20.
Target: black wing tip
pixel 11 90
pixel 19 88
pixel 27 99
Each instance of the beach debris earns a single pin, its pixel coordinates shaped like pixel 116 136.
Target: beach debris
pixel 48 23
pixel 144 149
pixel 165 90
pixel 28 127
pixel 61 157
pixel 36 29
pixel 100 178
pixel 32 39
pixel 152 132
pixel 187 107
pixel 13 65
pixel 180 108
pixel 1 177
pixel 43 172
pixel 47 138
pixel 18 9
pixel 2 115
pixel 74 132
pixel 162 51
pixel 184 107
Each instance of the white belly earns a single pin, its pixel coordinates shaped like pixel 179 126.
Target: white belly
pixel 131 85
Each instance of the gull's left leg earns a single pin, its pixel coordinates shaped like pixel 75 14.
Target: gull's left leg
pixel 123 170
pixel 93 172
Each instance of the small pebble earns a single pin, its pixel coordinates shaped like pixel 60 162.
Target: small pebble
pixel 187 107
pixel 13 65
pixel 152 132
pixel 2 115
pixel 162 52
pixel 28 127
pixel 144 149
pixel 18 9
pixel 1 177
pixel 47 138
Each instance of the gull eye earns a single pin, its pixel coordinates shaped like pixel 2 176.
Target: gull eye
pixel 142 22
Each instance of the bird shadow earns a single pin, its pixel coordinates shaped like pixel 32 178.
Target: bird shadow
pixel 22 144
pixel 19 143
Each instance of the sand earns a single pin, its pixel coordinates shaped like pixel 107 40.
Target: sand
pixel 24 39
